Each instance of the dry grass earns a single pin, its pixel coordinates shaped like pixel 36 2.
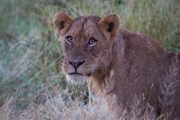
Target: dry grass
pixel 56 108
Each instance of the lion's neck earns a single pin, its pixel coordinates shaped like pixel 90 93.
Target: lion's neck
pixel 104 81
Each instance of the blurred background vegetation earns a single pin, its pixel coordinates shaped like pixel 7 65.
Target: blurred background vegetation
pixel 30 53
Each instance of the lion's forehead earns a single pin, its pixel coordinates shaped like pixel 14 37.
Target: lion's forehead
pixel 84 27
pixel 91 18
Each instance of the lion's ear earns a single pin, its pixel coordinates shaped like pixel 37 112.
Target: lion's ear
pixel 110 26
pixel 62 22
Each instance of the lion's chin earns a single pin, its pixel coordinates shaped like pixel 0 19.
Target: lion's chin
pixel 76 79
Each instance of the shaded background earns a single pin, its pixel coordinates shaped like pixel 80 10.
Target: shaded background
pixel 30 53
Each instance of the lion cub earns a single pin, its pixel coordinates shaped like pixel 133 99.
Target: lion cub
pixel 120 64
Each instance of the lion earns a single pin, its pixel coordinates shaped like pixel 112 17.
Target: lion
pixel 120 65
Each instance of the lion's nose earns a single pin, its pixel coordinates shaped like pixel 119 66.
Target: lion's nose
pixel 75 64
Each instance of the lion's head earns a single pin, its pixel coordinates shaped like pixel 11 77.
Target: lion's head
pixel 87 44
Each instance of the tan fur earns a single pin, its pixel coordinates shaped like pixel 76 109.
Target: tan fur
pixel 126 65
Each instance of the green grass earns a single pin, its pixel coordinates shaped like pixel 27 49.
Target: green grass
pixel 30 53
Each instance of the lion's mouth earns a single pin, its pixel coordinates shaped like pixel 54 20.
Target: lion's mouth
pixel 76 73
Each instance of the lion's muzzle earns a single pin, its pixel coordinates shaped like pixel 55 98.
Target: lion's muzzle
pixel 76 64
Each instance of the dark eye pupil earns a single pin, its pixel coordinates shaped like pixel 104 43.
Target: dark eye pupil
pixel 92 41
pixel 69 38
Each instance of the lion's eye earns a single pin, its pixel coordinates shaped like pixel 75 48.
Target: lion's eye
pixel 92 42
pixel 69 39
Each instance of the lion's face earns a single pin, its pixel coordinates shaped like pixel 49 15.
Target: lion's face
pixel 86 48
